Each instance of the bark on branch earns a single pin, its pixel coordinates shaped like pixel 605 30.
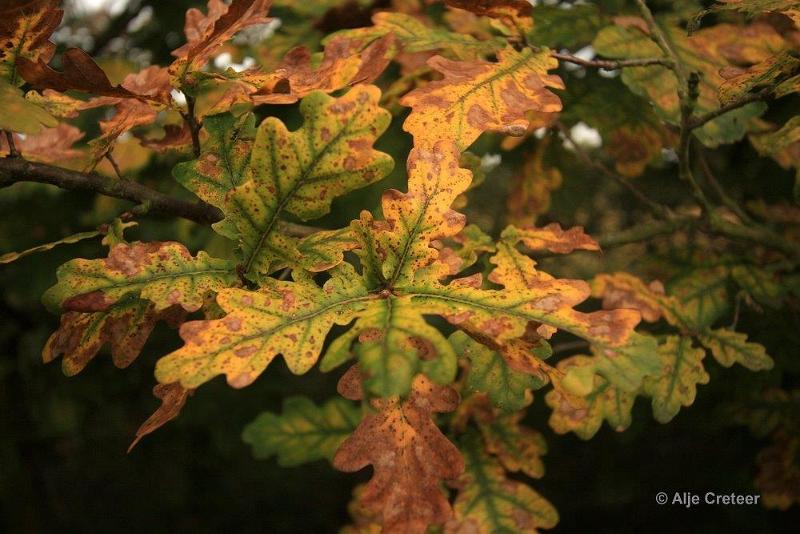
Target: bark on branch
pixel 14 170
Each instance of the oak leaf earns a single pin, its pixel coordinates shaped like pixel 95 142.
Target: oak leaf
pixel 288 318
pixel 517 447
pixel 80 73
pixel 19 114
pixel 207 33
pixel 164 273
pixel 624 290
pixel 413 36
pixel 488 501
pixel 10 257
pixel 25 31
pixel 489 373
pixel 707 51
pixel 676 385
pixel 304 432
pixel 125 326
pixel 409 455
pixel 51 145
pixel 398 286
pixel 301 172
pixel 584 415
pixel 729 347
pixel 790 8
pixel 478 96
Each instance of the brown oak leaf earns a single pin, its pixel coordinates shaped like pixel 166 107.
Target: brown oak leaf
pixel 408 452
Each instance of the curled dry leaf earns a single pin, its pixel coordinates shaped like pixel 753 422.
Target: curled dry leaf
pixel 409 454
pixel 25 30
pixel 624 290
pixel 173 397
pixel 344 63
pixel 207 33
pixel 125 326
pixel 80 73
pixel 552 238
pixel 51 145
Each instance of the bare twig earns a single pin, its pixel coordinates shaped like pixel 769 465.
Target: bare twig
pixel 612 64
pixel 661 40
pixel 569 346
pixel 113 162
pixel 12 148
pixel 721 193
pixel 590 162
pixel 697 122
pixel 194 126
pixel 645 231
pixel 149 201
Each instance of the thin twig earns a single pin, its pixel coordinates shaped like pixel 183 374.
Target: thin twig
pixel 12 148
pixel 568 346
pixel 697 122
pixel 721 193
pixel 113 162
pixel 590 162
pixel 666 47
pixel 645 231
pixel 611 64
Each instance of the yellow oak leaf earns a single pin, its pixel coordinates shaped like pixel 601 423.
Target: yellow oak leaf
pixel 478 96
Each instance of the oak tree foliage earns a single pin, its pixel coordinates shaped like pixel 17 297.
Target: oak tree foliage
pixel 444 330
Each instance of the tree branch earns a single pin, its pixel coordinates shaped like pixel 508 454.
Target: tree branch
pixel 194 126
pixel 149 201
pixel 697 122
pixel 12 148
pixel 645 231
pixel 661 40
pixel 14 170
pixel 610 64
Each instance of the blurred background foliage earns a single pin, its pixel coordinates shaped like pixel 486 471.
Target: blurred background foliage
pixel 63 465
